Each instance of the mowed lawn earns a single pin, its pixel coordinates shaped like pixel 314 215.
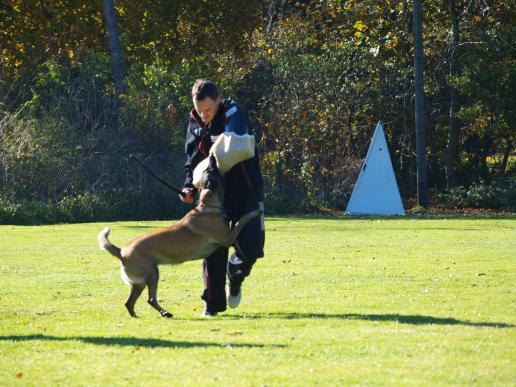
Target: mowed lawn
pixel 336 301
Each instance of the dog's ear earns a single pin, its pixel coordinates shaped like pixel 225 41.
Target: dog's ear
pixel 211 185
pixel 211 182
pixel 213 162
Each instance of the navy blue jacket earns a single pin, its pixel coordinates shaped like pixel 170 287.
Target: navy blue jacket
pixel 244 181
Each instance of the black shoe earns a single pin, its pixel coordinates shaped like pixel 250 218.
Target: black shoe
pixel 208 314
pixel 213 306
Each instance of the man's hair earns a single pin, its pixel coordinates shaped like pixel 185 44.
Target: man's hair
pixel 203 88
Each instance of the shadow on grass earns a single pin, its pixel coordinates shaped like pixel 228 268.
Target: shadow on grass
pixel 503 216
pixel 134 341
pixel 457 228
pixel 150 227
pixel 403 319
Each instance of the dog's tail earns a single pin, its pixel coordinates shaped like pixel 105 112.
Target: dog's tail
pixel 105 244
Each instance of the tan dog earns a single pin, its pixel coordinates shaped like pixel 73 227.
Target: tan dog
pixel 198 234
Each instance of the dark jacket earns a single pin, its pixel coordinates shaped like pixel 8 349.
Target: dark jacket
pixel 244 181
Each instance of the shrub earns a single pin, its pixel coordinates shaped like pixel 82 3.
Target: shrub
pixel 8 212
pixel 500 194
pixel 111 205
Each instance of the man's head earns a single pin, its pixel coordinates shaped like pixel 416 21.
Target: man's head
pixel 206 99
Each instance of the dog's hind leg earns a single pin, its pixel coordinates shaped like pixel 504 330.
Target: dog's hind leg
pixel 136 290
pixel 240 225
pixel 152 283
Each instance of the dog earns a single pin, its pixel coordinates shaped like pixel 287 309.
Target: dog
pixel 198 234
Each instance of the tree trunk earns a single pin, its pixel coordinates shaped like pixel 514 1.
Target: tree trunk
pixel 505 159
pixel 422 196
pixel 453 127
pixel 351 142
pixel 44 9
pixel 114 45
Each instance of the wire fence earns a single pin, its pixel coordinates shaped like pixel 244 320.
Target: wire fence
pixel 97 186
pixel 53 178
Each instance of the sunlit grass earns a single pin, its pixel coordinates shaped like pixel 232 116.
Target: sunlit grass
pixel 334 302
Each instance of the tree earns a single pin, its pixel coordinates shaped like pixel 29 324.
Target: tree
pixel 114 45
pixel 420 108
pixel 453 127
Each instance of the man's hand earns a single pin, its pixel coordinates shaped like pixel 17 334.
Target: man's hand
pixel 189 195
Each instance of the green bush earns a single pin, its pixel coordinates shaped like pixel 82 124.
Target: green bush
pixel 80 208
pixel 8 212
pixel 500 194
pixel 111 205
pixel 291 202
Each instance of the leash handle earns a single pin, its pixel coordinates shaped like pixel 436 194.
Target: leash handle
pixel 150 172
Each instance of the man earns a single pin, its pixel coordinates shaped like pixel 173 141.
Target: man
pixel 244 187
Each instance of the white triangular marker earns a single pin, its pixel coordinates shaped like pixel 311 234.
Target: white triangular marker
pixel 376 191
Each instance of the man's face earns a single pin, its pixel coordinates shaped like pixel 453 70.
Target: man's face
pixel 207 108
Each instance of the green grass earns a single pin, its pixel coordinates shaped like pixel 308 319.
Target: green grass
pixel 334 302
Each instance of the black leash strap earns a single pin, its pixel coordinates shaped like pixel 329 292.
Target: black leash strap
pixel 149 171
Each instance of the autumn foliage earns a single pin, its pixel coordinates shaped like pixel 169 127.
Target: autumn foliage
pixel 314 76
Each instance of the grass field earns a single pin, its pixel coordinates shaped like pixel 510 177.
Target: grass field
pixel 334 302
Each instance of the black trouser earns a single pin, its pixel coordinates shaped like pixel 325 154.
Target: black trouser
pixel 248 247
pixel 214 273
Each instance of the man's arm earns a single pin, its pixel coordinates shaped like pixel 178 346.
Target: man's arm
pixel 192 159
pixel 236 120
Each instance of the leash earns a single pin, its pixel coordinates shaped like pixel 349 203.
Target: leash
pixel 159 179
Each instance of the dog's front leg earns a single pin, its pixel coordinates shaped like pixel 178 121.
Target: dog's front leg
pixel 240 225
pixel 152 283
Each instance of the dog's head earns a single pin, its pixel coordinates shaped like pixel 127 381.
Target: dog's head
pixel 212 181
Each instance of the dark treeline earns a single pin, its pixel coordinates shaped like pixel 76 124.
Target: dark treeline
pixel 315 77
